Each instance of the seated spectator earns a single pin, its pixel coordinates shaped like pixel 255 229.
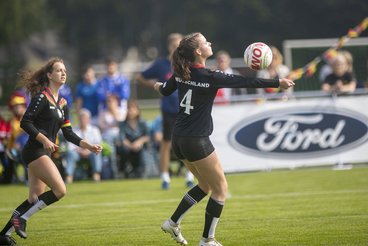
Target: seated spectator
pixel 6 175
pixel 342 78
pixel 131 143
pixel 18 138
pixel 74 153
pixel 276 70
pixel 86 94
pixel 156 137
pixel 108 121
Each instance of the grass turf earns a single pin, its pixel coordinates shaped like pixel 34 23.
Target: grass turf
pixel 299 207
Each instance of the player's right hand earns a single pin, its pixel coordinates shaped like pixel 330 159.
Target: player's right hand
pixel 50 146
pixel 286 83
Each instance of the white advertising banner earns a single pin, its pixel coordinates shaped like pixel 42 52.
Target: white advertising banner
pixel 296 133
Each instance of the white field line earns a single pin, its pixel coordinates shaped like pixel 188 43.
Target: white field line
pixel 231 197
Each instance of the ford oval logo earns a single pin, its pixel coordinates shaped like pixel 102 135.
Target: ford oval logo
pixel 300 132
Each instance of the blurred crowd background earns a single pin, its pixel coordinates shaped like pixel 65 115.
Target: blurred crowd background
pixel 98 39
pixel 84 32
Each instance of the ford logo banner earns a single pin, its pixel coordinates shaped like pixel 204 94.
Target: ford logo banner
pixel 300 132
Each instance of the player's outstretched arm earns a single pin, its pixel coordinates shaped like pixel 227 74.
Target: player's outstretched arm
pixel 286 83
pixel 95 148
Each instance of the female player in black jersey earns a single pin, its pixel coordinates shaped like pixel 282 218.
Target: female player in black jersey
pixel 44 117
pixel 197 87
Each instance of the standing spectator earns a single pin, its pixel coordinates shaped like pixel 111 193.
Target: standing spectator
pixel 133 136
pixel 74 153
pixel 86 94
pixel 66 92
pixel 161 70
pixel 276 70
pixel 223 61
pixel 342 78
pixel 44 117
pixel 113 83
pixel 108 121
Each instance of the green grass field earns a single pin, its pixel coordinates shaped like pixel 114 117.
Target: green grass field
pixel 300 207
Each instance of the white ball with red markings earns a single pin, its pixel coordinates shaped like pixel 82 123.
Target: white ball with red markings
pixel 258 56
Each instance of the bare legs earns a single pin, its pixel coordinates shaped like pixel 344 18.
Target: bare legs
pixel 165 154
pixel 41 173
pixel 211 178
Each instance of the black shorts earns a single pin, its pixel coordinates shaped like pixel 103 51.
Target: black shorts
pixel 168 121
pixel 192 148
pixel 31 153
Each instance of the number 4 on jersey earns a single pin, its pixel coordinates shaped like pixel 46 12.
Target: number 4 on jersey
pixel 187 98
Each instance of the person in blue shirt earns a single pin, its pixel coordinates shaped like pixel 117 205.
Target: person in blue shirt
pixel 66 92
pixel 161 70
pixel 113 83
pixel 86 93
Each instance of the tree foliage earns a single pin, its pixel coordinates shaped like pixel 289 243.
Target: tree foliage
pixel 98 28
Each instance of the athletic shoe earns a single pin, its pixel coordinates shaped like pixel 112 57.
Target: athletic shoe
pixel 6 240
pixel 209 242
pixel 174 232
pixel 165 185
pixel 19 226
pixel 190 184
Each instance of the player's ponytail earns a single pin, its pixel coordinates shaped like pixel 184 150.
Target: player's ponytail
pixel 37 81
pixel 183 56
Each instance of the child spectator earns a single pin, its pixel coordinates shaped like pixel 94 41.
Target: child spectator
pixel 342 78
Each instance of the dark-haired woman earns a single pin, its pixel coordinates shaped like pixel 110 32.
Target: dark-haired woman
pixel 44 117
pixel 197 87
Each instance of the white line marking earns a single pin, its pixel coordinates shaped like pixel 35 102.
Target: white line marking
pixel 232 197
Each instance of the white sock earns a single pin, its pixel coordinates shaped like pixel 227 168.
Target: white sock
pixel 211 233
pixel 9 232
pixel 39 205
pixel 189 176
